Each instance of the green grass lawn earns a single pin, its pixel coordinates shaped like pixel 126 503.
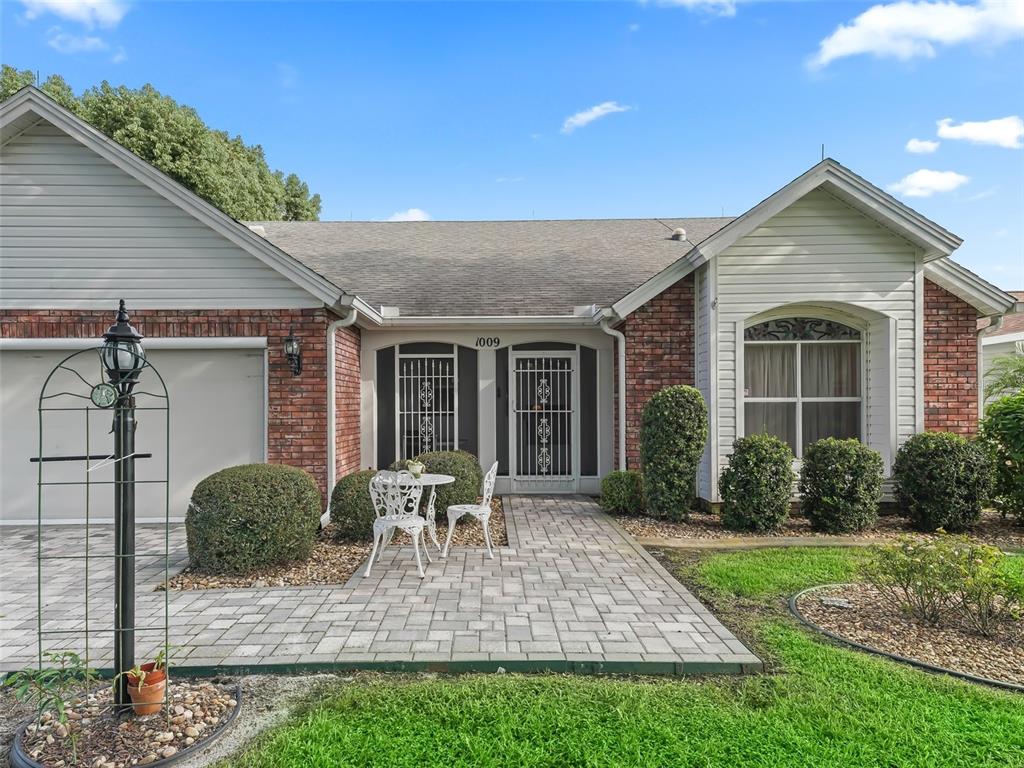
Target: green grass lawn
pixel 824 706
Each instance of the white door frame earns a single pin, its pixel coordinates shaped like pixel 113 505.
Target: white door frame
pixel 533 484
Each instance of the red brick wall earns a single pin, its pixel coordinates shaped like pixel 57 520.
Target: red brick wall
pixel 346 401
pixel 659 353
pixel 950 362
pixel 297 405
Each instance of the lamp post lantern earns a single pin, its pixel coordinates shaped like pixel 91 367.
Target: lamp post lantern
pixel 123 358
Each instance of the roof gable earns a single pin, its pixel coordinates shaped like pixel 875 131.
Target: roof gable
pixel 30 106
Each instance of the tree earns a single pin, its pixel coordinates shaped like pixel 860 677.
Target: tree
pixel 221 169
pixel 1005 377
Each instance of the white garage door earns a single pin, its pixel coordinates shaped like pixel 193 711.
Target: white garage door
pixel 217 417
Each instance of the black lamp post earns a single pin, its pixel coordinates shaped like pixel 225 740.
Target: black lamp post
pixel 123 358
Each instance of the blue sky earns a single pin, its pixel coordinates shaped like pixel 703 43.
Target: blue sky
pixel 695 107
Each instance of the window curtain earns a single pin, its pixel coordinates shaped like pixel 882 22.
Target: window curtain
pixel 830 370
pixel 769 370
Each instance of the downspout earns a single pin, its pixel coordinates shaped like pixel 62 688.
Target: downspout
pixel 621 349
pixel 332 416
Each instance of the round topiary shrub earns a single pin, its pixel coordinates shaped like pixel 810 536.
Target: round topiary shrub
pixel 252 516
pixel 672 436
pixel 1002 429
pixel 622 492
pixel 461 465
pixel 942 481
pixel 352 512
pixel 840 485
pixel 757 485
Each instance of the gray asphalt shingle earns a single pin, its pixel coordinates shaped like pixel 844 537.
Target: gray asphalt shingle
pixel 488 267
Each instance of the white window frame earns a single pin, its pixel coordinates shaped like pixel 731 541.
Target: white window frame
pixel 399 357
pixel 799 399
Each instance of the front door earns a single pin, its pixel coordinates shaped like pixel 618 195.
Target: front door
pixel 544 430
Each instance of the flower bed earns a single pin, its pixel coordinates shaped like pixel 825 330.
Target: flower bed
pixel 858 612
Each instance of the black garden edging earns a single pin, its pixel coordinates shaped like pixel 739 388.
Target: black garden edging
pixel 19 759
pixel 1004 685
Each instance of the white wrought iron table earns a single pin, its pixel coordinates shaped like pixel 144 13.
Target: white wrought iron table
pixel 431 481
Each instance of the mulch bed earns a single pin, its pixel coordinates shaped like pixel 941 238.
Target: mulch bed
pixel 992 529
pixel 334 561
pixel 196 711
pixel 874 622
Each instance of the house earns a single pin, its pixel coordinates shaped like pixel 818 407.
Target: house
pixel 829 308
pixel 1002 336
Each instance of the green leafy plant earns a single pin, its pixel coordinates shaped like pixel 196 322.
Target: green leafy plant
pixel 942 481
pixel 986 597
pixel 622 492
pixel 352 512
pixel 1005 376
pixel 917 576
pixel 673 431
pixel 252 516
pixel 757 485
pixel 1002 431
pixel 840 485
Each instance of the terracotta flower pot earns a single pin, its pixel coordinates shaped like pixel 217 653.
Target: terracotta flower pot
pixel 148 698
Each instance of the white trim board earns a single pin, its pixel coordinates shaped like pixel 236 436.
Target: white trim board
pixel 1004 339
pixel 157 342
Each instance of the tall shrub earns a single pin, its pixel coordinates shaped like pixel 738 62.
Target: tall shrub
pixel 1002 429
pixel 840 485
pixel 942 481
pixel 757 485
pixel 672 436
pixel 252 516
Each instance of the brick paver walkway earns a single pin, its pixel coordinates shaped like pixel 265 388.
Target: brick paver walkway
pixel 571 591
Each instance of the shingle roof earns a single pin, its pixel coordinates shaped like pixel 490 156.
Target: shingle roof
pixel 1012 323
pixel 438 268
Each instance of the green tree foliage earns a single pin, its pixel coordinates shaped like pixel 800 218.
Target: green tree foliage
pixel 1005 377
pixel 221 169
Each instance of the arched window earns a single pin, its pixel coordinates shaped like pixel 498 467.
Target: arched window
pixel 802 380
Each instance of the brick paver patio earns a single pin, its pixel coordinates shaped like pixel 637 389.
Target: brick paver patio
pixel 572 591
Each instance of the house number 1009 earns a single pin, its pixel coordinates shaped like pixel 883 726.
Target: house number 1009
pixel 488 341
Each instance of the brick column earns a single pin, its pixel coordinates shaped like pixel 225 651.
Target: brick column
pixel 950 362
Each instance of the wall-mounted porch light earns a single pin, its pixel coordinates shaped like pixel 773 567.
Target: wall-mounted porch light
pixel 293 353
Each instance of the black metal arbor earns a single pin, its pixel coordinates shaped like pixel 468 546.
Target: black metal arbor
pixel 115 381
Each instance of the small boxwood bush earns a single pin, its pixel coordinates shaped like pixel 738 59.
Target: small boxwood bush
pixel 248 517
pixel 672 436
pixel 1002 430
pixel 840 485
pixel 757 485
pixel 352 512
pixel 461 465
pixel 942 481
pixel 622 492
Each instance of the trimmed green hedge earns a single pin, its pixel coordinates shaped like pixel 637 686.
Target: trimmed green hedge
pixel 252 516
pixel 622 492
pixel 942 481
pixel 461 465
pixel 352 512
pixel 1002 429
pixel 840 485
pixel 672 436
pixel 757 485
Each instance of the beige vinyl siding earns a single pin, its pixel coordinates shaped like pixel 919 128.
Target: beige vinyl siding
pixel 820 251
pixel 76 231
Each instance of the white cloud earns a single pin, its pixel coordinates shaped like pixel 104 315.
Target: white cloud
pixel 715 7
pixel 413 214
pixel 634 27
pixel 65 42
pixel 91 13
pixel 1005 132
pixel 985 193
pixel 925 183
pixel 119 55
pixel 906 30
pixel 588 116
pixel 921 146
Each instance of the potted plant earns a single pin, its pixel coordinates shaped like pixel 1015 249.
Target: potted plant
pixel 147 685
pixel 415 467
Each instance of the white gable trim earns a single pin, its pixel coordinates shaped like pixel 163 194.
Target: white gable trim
pixel 934 241
pixel 30 105
pixel 961 282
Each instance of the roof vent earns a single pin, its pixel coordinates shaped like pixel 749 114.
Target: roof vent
pixel 386 311
pixel 258 229
pixel 678 233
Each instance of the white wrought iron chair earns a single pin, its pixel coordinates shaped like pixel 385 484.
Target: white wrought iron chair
pixel 396 500
pixel 481 512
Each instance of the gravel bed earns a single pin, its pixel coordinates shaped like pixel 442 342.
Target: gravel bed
pixel 992 529
pixel 858 612
pixel 334 561
pixel 195 712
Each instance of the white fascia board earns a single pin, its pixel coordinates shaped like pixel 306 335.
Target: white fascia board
pixel 14 112
pixel 157 342
pixel 935 241
pixel 536 321
pixel 976 291
pixel 1006 338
